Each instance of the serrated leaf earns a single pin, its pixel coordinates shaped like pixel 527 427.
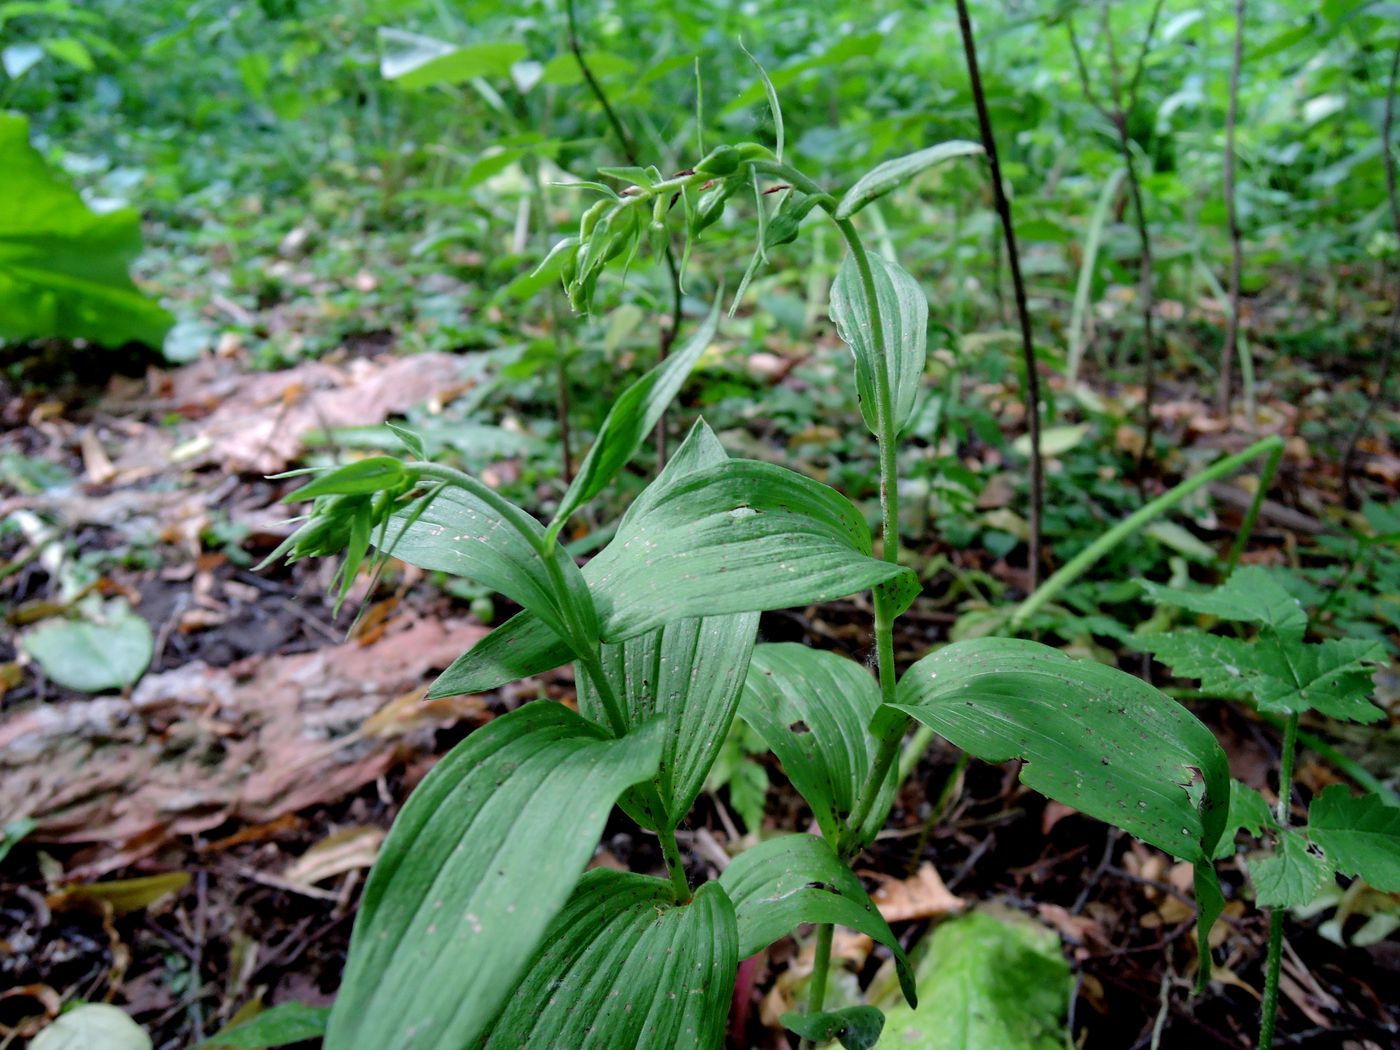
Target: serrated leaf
pixel 904 323
pixel 624 966
pixel 793 879
pixel 1250 595
pixel 1360 835
pixel 882 178
pixel 415 61
pixel 1248 812
pixel 633 416
pixel 813 710
pixel 688 674
pixel 277 1026
pixel 63 266
pixel 479 861
pixel 1092 737
pixel 460 532
pixel 856 1027
pixel 986 981
pixel 1289 877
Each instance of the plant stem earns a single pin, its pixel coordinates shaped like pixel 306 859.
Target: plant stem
pixel 1232 332
pixel 1031 387
pixel 1393 340
pixel 1275 956
pixel 674 865
pixel 629 150
pixel 1078 565
pixel 821 966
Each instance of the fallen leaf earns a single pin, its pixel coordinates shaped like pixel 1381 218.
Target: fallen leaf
pixel 350 849
pixel 123 896
pixel 922 896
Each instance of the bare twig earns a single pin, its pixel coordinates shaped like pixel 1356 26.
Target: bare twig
pixel 1388 360
pixel 1232 331
pixel 1031 389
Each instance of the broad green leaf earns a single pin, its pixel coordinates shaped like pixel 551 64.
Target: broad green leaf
pixel 457 531
pixel 1289 877
pixel 986 980
pixel 882 178
pixel 90 1026
pixel 633 416
pixel 813 710
pixel 1360 835
pixel 93 656
pixel 689 674
pixel 523 645
pixel 1054 441
pixel 63 266
pixel 414 61
pixel 1251 595
pixel 780 884
pixel 481 858
pixel 286 1023
pixel 624 966
pixel 855 1027
pixel 1092 737
pixel 904 322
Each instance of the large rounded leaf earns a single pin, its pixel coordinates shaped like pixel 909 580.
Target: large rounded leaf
pixel 483 855
pixel 1092 737
pixel 624 966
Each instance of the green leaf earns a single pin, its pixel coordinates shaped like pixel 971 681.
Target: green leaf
pixel 494 543
pixel 479 861
pixel 414 61
pixel 93 656
pixel 14 832
pixel 624 966
pixel 1359 834
pixel 813 710
pixel 882 178
pixel 1251 595
pixel 986 980
pixel 1092 737
pixel 1248 812
pixel 89 1026
pixel 286 1023
pixel 364 476
pixel 63 267
pixel 633 416
pixel 793 879
pixel 689 673
pixel 1289 877
pixel 904 322
pixel 857 1027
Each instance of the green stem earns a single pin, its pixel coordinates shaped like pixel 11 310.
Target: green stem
pixel 821 966
pixel 1275 956
pixel 1082 562
pixel 674 866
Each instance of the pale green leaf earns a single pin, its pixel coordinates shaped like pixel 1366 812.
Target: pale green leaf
pixel 688 674
pixel 93 656
pixel 904 324
pixel 63 267
pixel 794 879
pixel 1054 441
pixel 1289 877
pixel 633 416
pixel 882 178
pixel 414 61
pixel 813 710
pixel 624 966
pixel 1359 834
pixel 91 1026
pixel 986 980
pixel 1091 736
pixel 1250 594
pixel 481 858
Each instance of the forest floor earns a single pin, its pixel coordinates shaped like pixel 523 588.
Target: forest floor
pixel 247 780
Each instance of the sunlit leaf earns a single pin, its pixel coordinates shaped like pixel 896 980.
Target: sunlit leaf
pixel 414 61
pixel 882 178
pixel 89 1026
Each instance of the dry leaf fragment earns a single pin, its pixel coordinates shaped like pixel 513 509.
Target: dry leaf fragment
pixel 123 896
pixel 922 896
pixel 350 849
